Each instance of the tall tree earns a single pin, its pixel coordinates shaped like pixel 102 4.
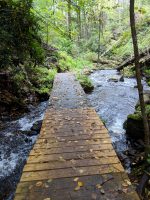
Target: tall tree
pixel 138 71
pixel 69 18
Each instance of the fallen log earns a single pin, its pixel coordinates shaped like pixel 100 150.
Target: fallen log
pixel 130 61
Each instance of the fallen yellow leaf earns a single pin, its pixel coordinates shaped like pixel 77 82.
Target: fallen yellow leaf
pixel 80 184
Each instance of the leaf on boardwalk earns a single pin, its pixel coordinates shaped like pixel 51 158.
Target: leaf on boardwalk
pixel 50 180
pixel 77 188
pixel 39 184
pixel 73 161
pixel 45 141
pixel 30 187
pixel 127 181
pixel 105 141
pixel 96 157
pixel 62 159
pixel 81 171
pixel 124 184
pixel 46 186
pixel 91 150
pixel 102 191
pixel 80 184
pixel 47 199
pixel 76 179
pixel 98 186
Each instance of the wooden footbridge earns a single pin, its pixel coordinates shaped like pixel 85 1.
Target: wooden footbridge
pixel 73 157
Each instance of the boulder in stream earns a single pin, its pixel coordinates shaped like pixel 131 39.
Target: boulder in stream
pixel 36 126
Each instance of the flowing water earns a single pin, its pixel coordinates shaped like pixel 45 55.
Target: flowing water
pixel 15 147
pixel 113 102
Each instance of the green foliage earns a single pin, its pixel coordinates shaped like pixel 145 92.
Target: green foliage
pixel 85 83
pixel 68 63
pixel 138 115
pixel 135 116
pixel 129 71
pixel 18 33
pixel 42 79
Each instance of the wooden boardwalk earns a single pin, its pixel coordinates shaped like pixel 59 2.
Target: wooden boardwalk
pixel 73 158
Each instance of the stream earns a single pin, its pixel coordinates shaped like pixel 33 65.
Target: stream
pixel 15 147
pixel 113 101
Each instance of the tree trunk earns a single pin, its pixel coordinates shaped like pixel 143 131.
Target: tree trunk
pixel 69 18
pixel 138 72
pixel 79 23
pixel 99 38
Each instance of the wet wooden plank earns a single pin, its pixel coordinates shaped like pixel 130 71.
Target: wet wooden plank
pixel 69 172
pixel 69 156
pixel 60 164
pixel 57 150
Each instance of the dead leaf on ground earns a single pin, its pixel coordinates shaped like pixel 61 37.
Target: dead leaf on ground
pixel 47 199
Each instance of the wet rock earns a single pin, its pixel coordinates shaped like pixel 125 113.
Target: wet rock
pixel 113 79
pixel 99 85
pixel 121 79
pixel 134 128
pixel 36 127
pixel 43 96
pixel 27 140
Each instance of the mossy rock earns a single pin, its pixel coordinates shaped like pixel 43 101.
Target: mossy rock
pixel 85 83
pixel 135 116
pixel 134 124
